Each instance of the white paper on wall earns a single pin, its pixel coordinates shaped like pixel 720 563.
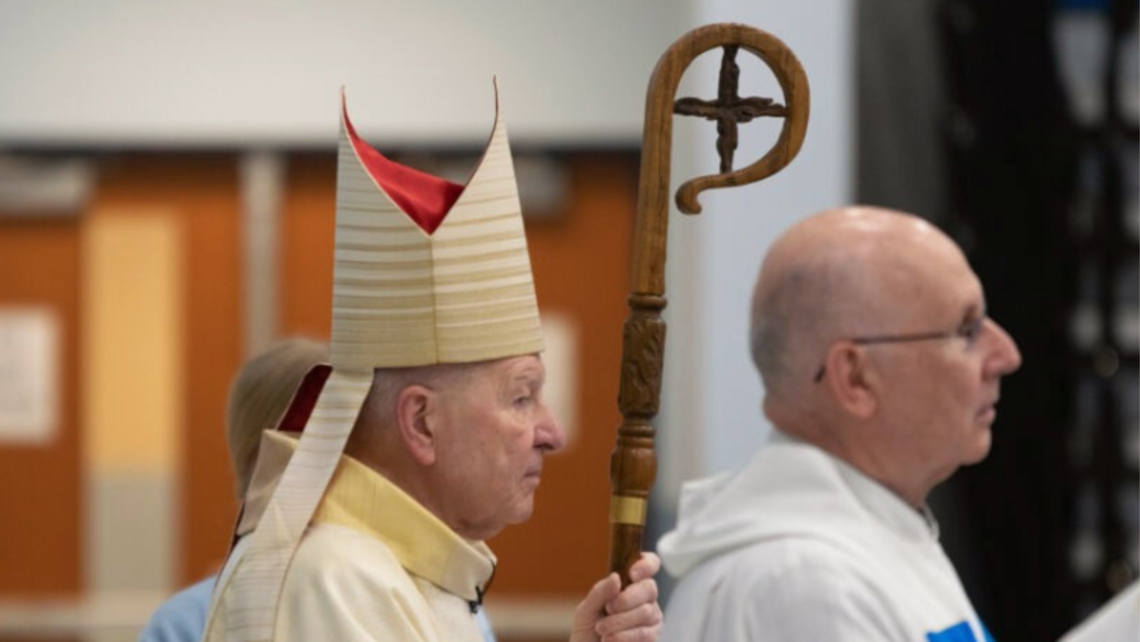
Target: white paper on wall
pixel 29 375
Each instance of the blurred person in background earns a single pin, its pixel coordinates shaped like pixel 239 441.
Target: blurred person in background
pixel 258 397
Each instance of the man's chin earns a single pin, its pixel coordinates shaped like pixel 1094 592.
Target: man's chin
pixel 515 513
pixel 488 528
pixel 522 511
pixel 980 448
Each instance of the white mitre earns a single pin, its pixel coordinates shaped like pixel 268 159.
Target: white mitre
pixel 426 272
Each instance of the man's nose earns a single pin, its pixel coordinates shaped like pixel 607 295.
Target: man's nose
pixel 1007 358
pixel 548 433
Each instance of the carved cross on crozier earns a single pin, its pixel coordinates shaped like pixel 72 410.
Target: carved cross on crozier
pixel 729 109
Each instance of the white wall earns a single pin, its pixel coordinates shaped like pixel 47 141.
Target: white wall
pixel 711 408
pixel 242 72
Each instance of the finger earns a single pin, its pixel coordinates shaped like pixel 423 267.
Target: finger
pixel 645 617
pixel 633 596
pixel 602 593
pixel 645 634
pixel 645 567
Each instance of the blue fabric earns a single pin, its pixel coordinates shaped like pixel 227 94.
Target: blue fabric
pixel 960 632
pixel 183 616
pixel 485 626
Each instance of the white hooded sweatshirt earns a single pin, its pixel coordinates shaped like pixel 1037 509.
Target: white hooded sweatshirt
pixel 799 546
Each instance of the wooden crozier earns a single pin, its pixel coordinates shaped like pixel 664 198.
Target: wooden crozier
pixel 633 464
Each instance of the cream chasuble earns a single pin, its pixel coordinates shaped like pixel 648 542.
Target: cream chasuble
pixel 374 565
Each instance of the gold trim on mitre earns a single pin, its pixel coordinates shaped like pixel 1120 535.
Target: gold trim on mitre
pixel 404 297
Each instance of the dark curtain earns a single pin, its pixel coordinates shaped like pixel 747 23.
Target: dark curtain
pixel 964 119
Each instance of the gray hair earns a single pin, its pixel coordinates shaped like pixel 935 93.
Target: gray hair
pixel 797 316
pixel 260 395
pixel 388 382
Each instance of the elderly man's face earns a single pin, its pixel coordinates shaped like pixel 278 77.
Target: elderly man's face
pixel 943 394
pixel 496 430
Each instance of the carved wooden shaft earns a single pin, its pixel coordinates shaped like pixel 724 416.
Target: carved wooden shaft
pixel 633 465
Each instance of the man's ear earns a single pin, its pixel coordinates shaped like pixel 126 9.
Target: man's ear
pixel 416 410
pixel 851 379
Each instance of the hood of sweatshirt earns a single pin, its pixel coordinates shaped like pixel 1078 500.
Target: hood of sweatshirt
pixel 789 489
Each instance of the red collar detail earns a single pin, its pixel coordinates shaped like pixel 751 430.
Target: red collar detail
pixel 305 399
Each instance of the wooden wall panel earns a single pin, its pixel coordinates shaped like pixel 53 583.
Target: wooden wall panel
pixel 215 353
pixel 131 410
pixel 39 485
pixel 202 188
pixel 308 226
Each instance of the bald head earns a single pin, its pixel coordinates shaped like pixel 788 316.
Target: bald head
pixel 885 309
pixel 837 274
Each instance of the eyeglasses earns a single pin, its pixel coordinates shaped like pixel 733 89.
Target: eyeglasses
pixel 969 330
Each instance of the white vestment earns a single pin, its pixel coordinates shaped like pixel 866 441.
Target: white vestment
pixel 374 565
pixel 1116 621
pixel 799 546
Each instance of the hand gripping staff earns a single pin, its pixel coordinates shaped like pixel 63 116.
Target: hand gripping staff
pixel 633 464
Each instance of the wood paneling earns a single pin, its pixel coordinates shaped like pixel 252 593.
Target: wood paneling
pixel 40 499
pixel 307 230
pixel 131 410
pixel 203 189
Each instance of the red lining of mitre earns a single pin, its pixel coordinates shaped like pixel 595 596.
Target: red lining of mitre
pixel 305 399
pixel 426 199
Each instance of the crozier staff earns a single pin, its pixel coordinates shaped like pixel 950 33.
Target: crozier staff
pixel 634 463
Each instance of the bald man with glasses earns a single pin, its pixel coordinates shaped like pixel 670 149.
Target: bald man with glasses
pixel 882 375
